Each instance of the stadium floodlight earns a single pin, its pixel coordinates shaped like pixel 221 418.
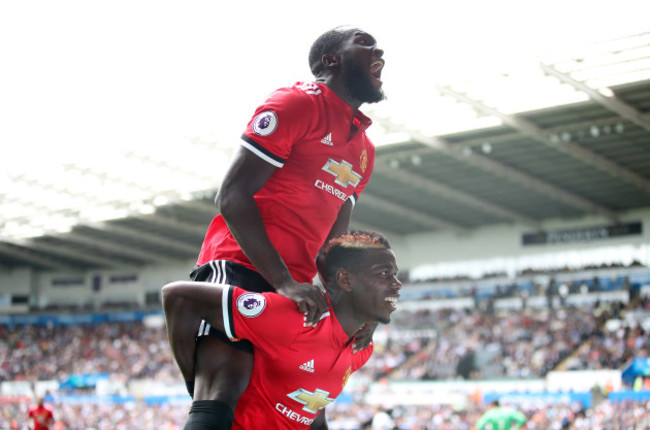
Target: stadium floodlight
pixel 160 200
pixel 619 128
pixel 144 208
pixel 416 160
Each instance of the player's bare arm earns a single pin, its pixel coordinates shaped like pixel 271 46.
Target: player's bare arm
pixel 342 222
pixel 245 177
pixel 339 227
pixel 185 304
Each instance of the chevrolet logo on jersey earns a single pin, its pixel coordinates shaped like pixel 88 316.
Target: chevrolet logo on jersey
pixel 313 401
pixel 343 172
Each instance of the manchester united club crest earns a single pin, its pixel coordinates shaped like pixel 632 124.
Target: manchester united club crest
pixel 364 160
pixel 346 376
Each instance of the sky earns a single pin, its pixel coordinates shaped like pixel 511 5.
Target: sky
pixel 83 80
pixel 84 74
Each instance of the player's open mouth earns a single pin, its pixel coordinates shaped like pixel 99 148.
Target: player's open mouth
pixel 375 70
pixel 392 302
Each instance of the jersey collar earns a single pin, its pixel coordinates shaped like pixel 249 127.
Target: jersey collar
pixel 360 120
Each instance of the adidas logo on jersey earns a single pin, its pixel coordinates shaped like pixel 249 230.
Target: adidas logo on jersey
pixel 308 366
pixel 327 140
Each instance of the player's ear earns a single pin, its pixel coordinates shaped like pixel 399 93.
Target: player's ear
pixel 331 61
pixel 344 279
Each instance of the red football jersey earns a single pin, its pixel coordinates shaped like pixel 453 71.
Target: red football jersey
pixel 305 131
pixel 297 370
pixel 41 415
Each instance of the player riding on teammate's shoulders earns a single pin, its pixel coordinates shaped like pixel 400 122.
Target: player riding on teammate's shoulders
pixel 304 161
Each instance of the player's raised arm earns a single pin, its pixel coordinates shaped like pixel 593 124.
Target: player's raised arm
pixel 339 227
pixel 246 176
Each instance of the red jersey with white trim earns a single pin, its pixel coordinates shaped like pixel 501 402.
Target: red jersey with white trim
pixel 297 370
pixel 323 158
pixel 42 415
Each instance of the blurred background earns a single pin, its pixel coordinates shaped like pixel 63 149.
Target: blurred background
pixel 512 177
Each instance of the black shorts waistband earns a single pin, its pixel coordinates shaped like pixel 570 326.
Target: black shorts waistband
pixel 229 272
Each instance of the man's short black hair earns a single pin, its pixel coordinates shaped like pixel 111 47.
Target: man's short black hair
pixel 349 249
pixel 327 43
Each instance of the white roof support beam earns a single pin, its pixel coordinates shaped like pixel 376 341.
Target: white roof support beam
pixel 173 224
pixel 143 237
pixel 115 248
pixel 77 255
pixel 410 214
pixel 511 174
pixel 457 195
pixel 32 259
pixel 209 209
pixel 611 103
pixel 540 135
pixel 515 136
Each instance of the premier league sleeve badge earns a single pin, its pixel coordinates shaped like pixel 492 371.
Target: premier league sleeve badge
pixel 265 123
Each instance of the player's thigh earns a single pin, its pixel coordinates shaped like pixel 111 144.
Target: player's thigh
pixel 222 371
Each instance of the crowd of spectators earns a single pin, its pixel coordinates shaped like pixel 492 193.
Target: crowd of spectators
pixel 100 416
pixel 530 282
pixel 617 342
pixel 567 269
pixel 529 272
pixel 518 344
pixel 605 415
pixel 425 343
pixel 420 345
pixel 126 350
pixel 139 415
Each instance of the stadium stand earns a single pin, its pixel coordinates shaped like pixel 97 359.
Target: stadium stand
pixel 108 370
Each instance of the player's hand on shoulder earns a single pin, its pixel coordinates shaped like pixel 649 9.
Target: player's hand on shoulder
pixel 309 298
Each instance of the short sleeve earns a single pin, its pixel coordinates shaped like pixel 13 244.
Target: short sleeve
pixel 262 318
pixel 281 121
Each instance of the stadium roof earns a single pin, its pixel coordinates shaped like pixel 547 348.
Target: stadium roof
pixel 549 136
pixel 583 148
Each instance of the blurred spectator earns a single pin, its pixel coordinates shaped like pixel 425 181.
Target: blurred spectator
pixel 41 415
pixel 501 418
pixel 382 419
